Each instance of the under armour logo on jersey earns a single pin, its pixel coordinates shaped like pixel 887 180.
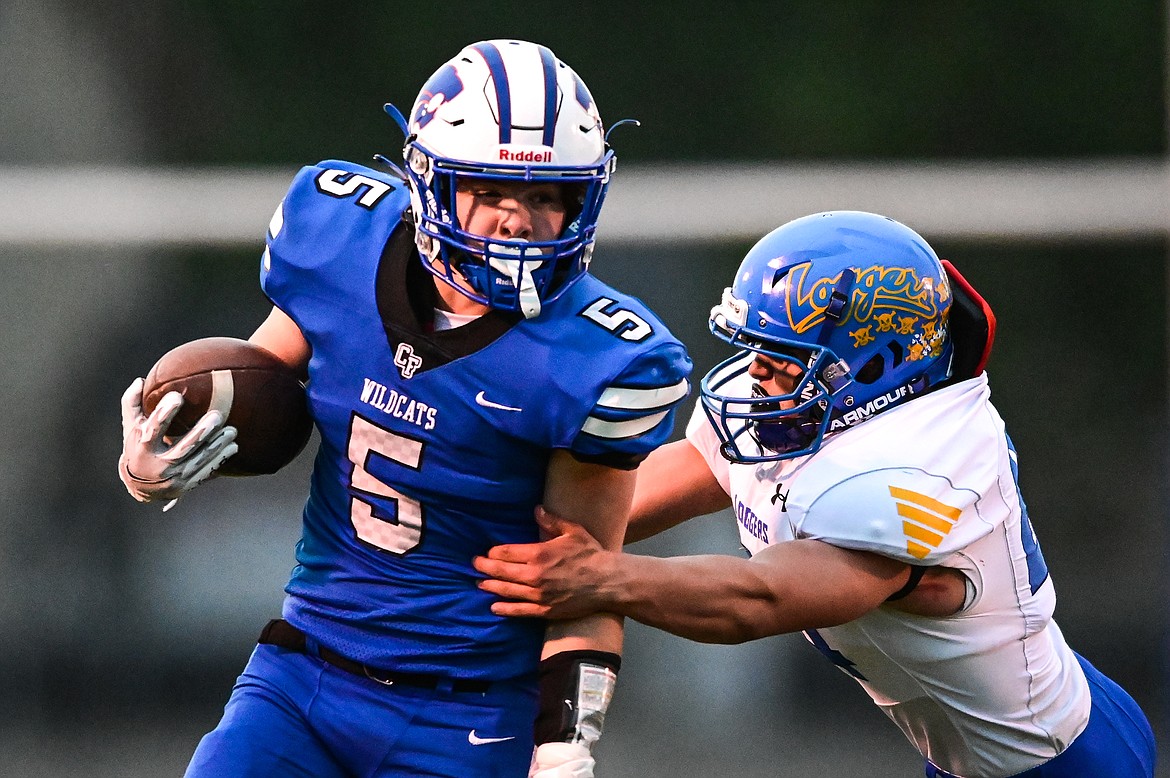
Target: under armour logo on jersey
pixel 406 360
pixel 782 497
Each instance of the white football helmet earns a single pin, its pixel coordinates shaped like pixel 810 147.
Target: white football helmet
pixel 508 110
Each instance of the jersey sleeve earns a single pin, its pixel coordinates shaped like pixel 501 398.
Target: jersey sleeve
pixel 902 513
pixel 635 413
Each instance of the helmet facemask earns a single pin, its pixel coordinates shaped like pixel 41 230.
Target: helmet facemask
pixel 762 427
pixel 516 275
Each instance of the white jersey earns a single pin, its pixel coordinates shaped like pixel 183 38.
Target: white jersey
pixel 992 690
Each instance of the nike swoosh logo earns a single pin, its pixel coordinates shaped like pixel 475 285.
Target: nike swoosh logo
pixel 476 740
pixel 481 400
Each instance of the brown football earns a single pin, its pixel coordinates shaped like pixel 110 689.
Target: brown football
pixel 262 397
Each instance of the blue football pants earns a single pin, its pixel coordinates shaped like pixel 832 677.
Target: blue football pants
pixel 1118 740
pixel 293 715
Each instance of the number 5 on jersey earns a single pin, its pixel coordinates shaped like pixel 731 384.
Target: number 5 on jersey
pixel 342 184
pixel 627 325
pixel 402 533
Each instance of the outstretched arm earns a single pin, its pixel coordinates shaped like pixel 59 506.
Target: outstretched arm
pixel 787 587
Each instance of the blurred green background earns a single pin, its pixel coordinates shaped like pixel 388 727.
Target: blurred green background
pixel 283 82
pixel 124 628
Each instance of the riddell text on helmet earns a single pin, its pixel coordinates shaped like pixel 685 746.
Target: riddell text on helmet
pixel 507 155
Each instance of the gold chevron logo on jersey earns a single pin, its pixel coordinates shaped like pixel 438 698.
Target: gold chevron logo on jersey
pixel 926 521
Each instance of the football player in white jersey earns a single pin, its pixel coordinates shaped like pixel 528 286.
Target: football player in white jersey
pixel 875 489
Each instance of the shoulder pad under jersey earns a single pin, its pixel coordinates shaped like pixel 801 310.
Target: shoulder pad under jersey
pixel 644 371
pixel 635 413
pixel 904 513
pixel 332 211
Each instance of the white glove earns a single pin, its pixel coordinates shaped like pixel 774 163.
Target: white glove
pixel 561 760
pixel 152 469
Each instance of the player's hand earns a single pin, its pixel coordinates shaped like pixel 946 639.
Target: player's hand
pixel 555 579
pixel 561 760
pixel 153 469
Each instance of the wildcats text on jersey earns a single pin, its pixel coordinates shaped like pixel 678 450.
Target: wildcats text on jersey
pixel 398 405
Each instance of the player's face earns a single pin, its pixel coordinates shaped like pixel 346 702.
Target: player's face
pixel 776 376
pixel 508 210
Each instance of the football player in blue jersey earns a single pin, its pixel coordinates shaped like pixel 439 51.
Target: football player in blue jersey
pixel 875 489
pixel 462 367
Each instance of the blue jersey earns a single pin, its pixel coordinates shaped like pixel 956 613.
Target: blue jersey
pixel 434 445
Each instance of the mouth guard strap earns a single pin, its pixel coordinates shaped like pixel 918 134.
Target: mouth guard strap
pixel 521 277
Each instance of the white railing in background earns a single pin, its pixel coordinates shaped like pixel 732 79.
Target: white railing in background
pixel 1026 200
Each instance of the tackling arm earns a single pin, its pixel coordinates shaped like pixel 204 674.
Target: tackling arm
pixel 787 587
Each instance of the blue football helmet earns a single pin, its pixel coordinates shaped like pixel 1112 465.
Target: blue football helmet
pixel 859 301
pixel 506 110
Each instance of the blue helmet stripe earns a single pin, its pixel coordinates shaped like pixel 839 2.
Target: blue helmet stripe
pixel 495 63
pixel 548 62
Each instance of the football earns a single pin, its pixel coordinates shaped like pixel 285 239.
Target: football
pixel 262 397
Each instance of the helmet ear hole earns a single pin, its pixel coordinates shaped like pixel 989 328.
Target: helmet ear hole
pixel 779 276
pixel 872 370
pixel 896 349
pixel 573 200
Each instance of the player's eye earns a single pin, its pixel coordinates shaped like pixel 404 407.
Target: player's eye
pixel 545 198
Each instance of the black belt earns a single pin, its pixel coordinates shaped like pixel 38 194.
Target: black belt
pixel 279 632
